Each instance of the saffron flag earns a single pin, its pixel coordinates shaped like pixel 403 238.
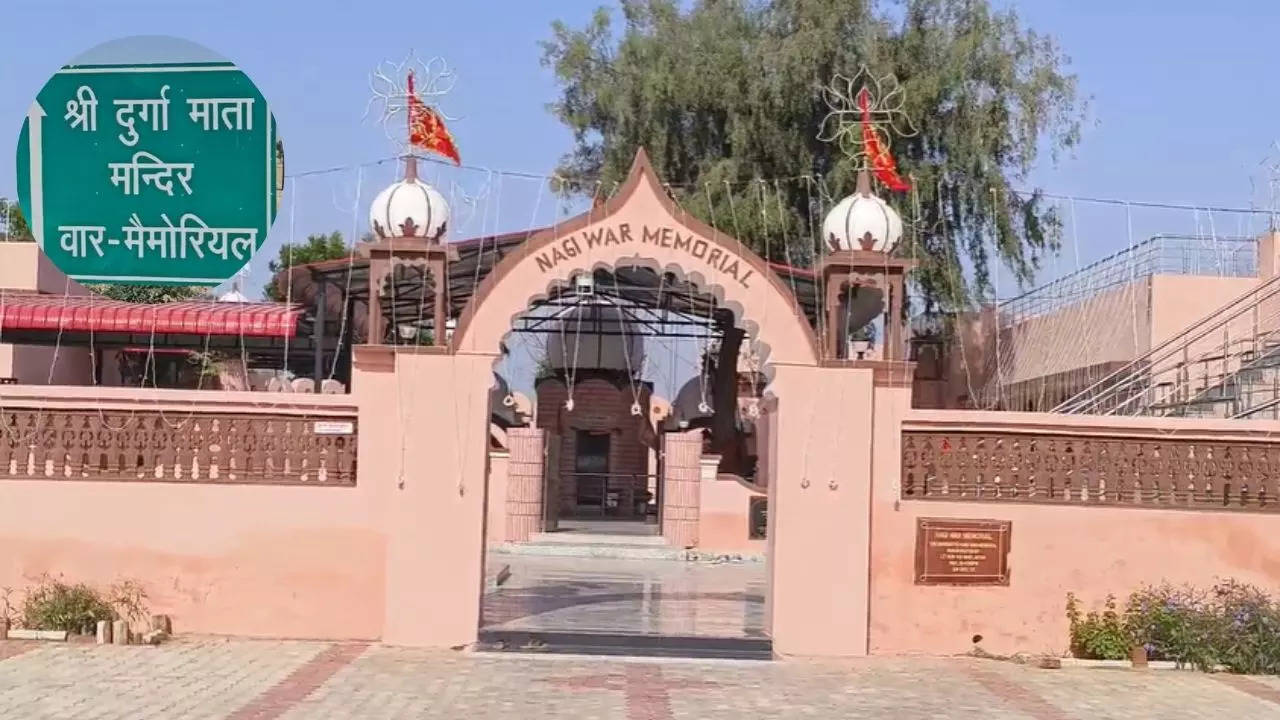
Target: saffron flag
pixel 882 163
pixel 427 130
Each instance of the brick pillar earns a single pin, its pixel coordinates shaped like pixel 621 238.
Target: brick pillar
pixel 524 483
pixel 681 475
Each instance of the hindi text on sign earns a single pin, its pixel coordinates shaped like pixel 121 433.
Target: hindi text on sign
pixel 152 110
pixel 179 199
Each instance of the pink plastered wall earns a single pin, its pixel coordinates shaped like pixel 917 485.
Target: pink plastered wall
pixel 1184 311
pixel 1090 551
pixel 425 446
pixel 819 499
pixel 723 514
pixel 259 561
pixel 1110 326
pixel 23 267
pixel 495 529
pixel 1180 301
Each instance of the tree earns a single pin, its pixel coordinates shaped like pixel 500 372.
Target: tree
pixel 13 223
pixel 152 294
pixel 727 92
pixel 316 248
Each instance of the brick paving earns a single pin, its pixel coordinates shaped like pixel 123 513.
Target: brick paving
pixel 221 679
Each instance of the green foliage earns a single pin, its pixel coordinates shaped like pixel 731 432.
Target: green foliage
pixel 55 605
pixel 1247 629
pixel 207 363
pixel 8 613
pixel 1098 635
pixel 543 370
pixel 1173 624
pixel 1233 626
pixel 13 224
pixel 129 600
pixel 316 248
pixel 726 91
pixel 149 293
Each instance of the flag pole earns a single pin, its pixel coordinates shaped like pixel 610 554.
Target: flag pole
pixel 408 109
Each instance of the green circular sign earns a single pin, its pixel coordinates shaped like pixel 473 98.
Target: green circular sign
pixel 164 172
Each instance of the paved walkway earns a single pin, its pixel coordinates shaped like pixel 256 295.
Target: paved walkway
pixel 248 680
pixel 647 597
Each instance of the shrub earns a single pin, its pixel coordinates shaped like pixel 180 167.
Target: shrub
pixel 1246 629
pixel 7 613
pixel 1232 626
pixel 1175 624
pixel 55 605
pixel 1098 635
pixel 128 600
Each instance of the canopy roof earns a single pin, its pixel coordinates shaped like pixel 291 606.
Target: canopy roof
pixel 21 311
pixel 477 257
pixel 287 334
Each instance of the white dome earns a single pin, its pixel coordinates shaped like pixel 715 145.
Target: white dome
pixel 409 208
pixel 619 347
pixel 862 221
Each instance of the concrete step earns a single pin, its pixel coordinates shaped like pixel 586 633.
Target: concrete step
pixel 576 537
pixel 593 550
pixel 625 644
pixel 624 552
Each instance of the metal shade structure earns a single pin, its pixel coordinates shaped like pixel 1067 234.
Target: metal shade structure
pixel 344 285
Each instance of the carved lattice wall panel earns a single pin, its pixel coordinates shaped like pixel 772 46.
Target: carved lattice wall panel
pixel 1091 470
pixel 150 446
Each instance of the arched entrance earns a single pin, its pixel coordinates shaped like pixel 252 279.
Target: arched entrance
pixel 642 238
pixel 640 225
pixel 426 426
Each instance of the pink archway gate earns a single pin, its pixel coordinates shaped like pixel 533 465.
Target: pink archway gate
pixel 640 225
pixel 820 463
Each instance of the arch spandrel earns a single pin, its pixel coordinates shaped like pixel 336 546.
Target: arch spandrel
pixel 640 225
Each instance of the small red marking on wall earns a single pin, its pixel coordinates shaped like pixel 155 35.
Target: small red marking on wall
pixel 645 691
pixel 284 695
pixel 946 445
pixel 1249 686
pixel 1016 695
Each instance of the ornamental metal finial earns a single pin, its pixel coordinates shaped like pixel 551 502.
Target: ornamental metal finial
pixel 864 114
pixel 389 85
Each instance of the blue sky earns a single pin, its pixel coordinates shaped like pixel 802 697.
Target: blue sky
pixel 1182 107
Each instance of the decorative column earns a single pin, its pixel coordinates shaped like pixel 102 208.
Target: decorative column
pixel 384 255
pixel 846 269
pixel 681 480
pixel 409 220
pixel 524 483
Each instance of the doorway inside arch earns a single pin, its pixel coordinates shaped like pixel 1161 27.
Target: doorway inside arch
pixel 632 398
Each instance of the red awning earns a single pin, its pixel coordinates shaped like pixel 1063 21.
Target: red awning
pixel 84 313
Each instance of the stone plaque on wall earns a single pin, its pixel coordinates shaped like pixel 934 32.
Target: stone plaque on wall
pixel 952 551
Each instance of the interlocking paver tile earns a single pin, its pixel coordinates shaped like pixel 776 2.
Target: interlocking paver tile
pixel 218 679
pixel 179 680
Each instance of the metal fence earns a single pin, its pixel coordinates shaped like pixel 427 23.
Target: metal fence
pixel 1158 255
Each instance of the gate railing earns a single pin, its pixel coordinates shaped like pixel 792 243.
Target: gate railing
pixel 1022 459
pixel 1182 368
pixel 135 435
pixel 624 485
